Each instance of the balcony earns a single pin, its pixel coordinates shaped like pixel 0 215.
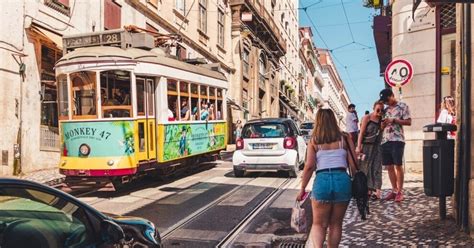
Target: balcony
pixel 261 17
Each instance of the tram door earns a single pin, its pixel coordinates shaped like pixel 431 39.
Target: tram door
pixel 146 138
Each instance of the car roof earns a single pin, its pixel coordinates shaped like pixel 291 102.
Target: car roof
pixel 279 120
pixel 4 181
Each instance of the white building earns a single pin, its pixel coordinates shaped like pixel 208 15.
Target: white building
pixel 31 43
pixel 334 91
pixel 287 17
pixel 312 75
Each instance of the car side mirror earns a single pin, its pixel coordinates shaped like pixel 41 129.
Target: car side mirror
pixel 111 232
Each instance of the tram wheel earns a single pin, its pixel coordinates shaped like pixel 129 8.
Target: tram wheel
pixel 117 183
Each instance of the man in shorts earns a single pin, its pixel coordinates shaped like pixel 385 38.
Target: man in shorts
pixel 397 115
pixel 352 123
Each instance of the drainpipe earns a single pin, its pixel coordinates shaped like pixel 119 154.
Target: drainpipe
pixel 465 151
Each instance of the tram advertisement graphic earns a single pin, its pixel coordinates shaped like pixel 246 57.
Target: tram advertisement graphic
pixel 182 140
pixel 104 138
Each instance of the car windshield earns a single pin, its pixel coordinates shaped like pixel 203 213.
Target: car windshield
pixel 307 126
pixel 264 130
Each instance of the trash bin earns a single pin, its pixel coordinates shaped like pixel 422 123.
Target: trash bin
pixel 438 164
pixel 438 161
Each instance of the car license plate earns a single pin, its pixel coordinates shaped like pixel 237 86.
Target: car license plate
pixel 262 146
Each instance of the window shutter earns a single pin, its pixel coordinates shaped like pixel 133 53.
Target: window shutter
pixel 64 2
pixel 112 15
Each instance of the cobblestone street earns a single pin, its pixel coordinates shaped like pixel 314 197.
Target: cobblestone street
pixel 414 222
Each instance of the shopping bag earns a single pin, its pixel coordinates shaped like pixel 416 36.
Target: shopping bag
pixel 298 218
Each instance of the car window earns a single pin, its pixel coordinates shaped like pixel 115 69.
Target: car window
pixel 264 130
pixel 307 126
pixel 295 130
pixel 32 218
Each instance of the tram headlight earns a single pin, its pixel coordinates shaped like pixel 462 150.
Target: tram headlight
pixel 84 150
pixel 110 162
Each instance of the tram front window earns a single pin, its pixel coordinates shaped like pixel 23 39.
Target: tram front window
pixel 115 94
pixel 63 101
pixel 84 94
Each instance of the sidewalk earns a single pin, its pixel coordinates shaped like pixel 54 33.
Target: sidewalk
pixel 414 222
pixel 48 176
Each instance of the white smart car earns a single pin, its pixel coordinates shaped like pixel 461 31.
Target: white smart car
pixel 269 144
pixel 306 129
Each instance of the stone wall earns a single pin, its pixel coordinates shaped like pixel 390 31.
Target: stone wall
pixel 418 47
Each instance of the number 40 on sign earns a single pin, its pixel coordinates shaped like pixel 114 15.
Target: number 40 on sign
pixel 398 73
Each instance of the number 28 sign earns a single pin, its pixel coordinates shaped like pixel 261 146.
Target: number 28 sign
pixel 398 73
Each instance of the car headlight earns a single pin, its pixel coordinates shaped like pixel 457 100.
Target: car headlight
pixel 84 150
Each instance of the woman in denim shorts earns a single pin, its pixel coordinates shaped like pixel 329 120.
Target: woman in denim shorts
pixel 328 155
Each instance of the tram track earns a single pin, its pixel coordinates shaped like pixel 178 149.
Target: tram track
pixel 167 234
pixel 232 235
pixel 236 229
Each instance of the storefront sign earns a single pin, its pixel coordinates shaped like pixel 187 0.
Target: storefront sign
pixel 247 16
pixel 423 19
pixel 398 73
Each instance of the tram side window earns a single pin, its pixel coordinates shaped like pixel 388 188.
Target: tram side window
pixel 84 94
pixel 212 108
pixel 204 111
pixel 63 98
pixel 115 94
pixel 194 102
pixel 172 100
pixel 219 110
pixel 185 111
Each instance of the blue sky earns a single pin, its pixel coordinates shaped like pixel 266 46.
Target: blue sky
pixel 357 62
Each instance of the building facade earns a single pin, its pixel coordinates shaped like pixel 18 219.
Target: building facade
pixel 436 37
pixel 334 91
pixel 257 47
pixel 30 50
pixel 311 71
pixel 426 38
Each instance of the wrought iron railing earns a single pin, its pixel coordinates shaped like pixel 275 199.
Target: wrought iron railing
pixel 56 5
pixel 49 138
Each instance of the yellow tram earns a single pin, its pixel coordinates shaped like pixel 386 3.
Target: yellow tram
pixel 126 108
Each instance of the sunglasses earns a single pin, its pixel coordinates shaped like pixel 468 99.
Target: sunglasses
pixel 378 110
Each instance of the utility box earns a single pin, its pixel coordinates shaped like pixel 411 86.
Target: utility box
pixel 438 161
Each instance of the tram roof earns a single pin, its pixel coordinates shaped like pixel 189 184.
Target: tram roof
pixel 155 56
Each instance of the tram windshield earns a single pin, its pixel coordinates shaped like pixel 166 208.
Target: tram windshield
pixel 83 94
pixel 115 94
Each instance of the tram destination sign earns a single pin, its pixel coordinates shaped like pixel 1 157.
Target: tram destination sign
pixel 93 39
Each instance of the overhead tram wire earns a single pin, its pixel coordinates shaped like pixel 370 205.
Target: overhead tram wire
pixel 333 55
pixel 347 21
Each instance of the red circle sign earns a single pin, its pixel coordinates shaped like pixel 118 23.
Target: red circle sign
pixel 398 73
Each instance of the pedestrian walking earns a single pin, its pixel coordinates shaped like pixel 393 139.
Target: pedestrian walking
pixel 368 149
pixel 238 130
pixel 397 115
pixel 352 123
pixel 447 114
pixel 327 154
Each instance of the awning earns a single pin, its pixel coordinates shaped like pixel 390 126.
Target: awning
pixel 238 106
pixel 53 37
pixel 382 30
pixel 290 110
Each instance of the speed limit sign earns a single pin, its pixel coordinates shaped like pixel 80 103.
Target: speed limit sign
pixel 398 73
